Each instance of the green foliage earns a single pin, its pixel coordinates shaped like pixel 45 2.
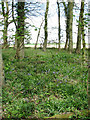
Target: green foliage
pixel 43 84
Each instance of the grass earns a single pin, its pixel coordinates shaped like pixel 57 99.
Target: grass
pixel 43 84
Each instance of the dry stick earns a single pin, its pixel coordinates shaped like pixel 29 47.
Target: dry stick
pixel 39 34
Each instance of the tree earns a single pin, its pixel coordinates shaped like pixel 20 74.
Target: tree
pixel 20 30
pixel 88 80
pixel 14 20
pixel 30 9
pixel 80 30
pixel 66 8
pixel 58 5
pixel 69 22
pixel 5 14
pixel 45 27
pixel 38 34
pixel 70 7
pixel 78 47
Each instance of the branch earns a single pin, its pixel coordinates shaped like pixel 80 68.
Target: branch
pixel 65 8
pixel 3 9
pixel 39 33
pixel 13 13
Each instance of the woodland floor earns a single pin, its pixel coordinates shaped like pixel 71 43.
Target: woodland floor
pixel 44 84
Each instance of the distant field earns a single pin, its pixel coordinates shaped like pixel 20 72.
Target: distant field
pixel 51 45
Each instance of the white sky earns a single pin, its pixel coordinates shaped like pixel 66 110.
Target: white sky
pixel 53 22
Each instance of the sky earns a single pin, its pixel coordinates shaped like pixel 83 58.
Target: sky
pixel 52 23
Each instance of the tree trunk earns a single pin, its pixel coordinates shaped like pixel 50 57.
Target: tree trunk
pixel 45 27
pixel 67 32
pixel 38 34
pixel 88 80
pixel 78 47
pixel 20 31
pixel 82 31
pixel 5 43
pixel 5 15
pixel 58 24
pixel 66 9
pixel 15 45
pixel 70 5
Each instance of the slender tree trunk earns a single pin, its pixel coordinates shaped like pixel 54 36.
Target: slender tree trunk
pixel 5 44
pixel 83 42
pixel 5 15
pixel 67 32
pixel 15 45
pixel 70 26
pixel 45 27
pixel 38 34
pixel 66 9
pixel 58 24
pixel 88 80
pixel 78 47
pixel 82 31
pixel 67 37
pixel 20 31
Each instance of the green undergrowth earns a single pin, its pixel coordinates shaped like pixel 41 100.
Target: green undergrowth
pixel 43 84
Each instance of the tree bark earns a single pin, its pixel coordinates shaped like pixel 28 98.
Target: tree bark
pixel 58 5
pixel 88 80
pixel 70 26
pixel 82 31
pixel 5 15
pixel 45 27
pixel 20 30
pixel 66 8
pixel 38 34
pixel 15 45
pixel 78 47
pixel 67 30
